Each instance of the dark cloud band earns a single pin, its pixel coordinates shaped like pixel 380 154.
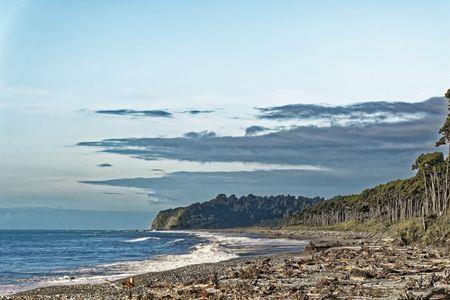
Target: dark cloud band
pixel 365 153
pixel 379 110
pixel 136 113
pixel 198 112
pixel 252 130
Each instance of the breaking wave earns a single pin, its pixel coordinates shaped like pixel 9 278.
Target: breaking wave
pixel 211 248
pixel 141 239
pixel 175 241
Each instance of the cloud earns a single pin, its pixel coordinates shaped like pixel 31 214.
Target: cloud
pixel 363 154
pixel 104 165
pixel 152 199
pixel 136 113
pixel 360 113
pixel 255 129
pixel 327 146
pixel 199 135
pixel 197 112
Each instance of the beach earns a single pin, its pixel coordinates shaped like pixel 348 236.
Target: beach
pixel 336 265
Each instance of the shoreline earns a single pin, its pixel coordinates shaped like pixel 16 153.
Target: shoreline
pixel 337 265
pixel 66 287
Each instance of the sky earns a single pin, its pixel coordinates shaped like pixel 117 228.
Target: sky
pixel 113 110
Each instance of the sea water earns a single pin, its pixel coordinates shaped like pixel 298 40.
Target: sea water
pixel 36 258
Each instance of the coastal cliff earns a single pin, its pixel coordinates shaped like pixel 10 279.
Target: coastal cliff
pixel 227 212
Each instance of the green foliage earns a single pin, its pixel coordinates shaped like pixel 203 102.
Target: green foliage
pixel 407 232
pixel 167 218
pixel 392 202
pixel 335 203
pixel 438 231
pixel 444 131
pixel 412 187
pixel 227 212
pixel 428 160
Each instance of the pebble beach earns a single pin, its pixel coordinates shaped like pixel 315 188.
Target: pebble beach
pixel 335 265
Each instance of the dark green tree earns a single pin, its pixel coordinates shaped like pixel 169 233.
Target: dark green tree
pixel 444 139
pixel 428 160
pixel 445 129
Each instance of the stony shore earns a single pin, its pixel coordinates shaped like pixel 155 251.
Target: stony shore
pixel 336 265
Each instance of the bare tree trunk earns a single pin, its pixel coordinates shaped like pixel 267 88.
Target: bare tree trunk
pixel 433 193
pixel 425 202
pixel 423 219
pixel 446 197
pixel 438 192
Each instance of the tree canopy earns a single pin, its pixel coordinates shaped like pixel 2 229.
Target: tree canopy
pixel 428 160
pixel 444 131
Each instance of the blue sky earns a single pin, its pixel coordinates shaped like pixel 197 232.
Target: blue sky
pixel 61 61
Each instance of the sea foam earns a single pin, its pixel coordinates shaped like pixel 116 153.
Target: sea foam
pixel 141 239
pixel 213 248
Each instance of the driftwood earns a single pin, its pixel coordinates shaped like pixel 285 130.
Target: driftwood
pixel 129 283
pixel 376 269
pixel 437 293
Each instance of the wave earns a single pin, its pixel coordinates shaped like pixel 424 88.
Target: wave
pixel 141 239
pixel 213 248
pixel 175 241
pixel 202 253
pixel 248 246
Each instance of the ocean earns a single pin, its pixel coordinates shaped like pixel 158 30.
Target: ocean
pixel 37 258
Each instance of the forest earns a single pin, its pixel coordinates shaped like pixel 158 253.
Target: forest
pixel 426 195
pixel 231 211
